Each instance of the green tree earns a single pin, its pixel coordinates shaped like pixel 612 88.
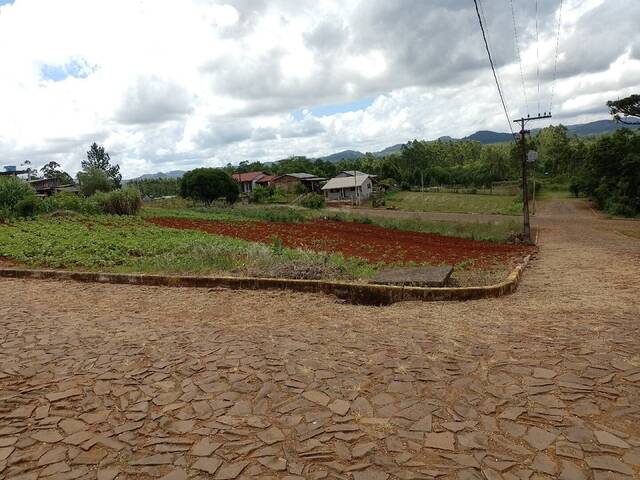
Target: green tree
pixel 94 180
pixel 98 158
pixel 209 184
pixel 52 170
pixel 628 107
pixel 554 149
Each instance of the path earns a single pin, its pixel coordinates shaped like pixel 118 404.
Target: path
pixel 146 382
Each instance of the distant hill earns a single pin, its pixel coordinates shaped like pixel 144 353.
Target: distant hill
pixel 487 137
pixel 154 176
pixel 344 155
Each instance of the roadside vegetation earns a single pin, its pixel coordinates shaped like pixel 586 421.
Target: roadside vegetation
pixel 455 202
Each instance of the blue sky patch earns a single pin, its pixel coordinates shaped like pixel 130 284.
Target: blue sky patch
pixel 327 110
pixel 76 68
pixel 6 2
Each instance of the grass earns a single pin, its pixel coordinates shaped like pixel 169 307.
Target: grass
pixel 129 244
pixel 631 233
pixel 455 203
pixel 491 231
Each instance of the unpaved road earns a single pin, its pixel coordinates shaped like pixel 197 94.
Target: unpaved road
pixel 141 382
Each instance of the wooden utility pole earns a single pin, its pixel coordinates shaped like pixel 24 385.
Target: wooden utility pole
pixel 526 231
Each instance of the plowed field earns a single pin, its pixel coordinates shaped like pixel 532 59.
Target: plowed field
pixel 373 243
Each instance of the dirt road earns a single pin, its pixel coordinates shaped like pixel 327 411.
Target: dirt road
pixel 145 382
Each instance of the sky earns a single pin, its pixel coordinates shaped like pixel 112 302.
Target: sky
pixel 177 84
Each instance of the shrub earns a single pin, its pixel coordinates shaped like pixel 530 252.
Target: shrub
pixel 93 181
pixel 209 184
pixel 262 194
pixel 63 201
pixel 12 191
pixel 28 207
pixel 126 201
pixel 313 200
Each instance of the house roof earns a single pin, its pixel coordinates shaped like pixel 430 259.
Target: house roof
pixel 266 178
pixel 247 177
pixel 301 176
pixel 346 182
pixel 351 173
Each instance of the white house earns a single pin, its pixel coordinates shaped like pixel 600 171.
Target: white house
pixel 354 187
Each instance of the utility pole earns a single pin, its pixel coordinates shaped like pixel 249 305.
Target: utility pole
pixel 526 232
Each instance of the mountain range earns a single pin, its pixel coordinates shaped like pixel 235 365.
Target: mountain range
pixel 486 137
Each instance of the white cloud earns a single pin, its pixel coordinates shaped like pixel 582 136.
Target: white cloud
pixel 167 84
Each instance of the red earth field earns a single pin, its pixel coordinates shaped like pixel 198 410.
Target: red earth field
pixel 373 243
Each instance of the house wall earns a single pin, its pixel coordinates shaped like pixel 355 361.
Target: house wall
pixel 288 184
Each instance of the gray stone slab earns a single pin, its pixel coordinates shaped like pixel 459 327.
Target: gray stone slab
pixel 414 276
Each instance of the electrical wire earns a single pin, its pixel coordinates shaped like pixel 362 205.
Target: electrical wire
pixel 555 63
pixel 493 68
pixel 537 58
pixel 519 56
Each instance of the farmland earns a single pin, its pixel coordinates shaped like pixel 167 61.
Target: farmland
pixel 242 243
pixel 455 202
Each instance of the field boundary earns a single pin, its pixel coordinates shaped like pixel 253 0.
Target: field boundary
pixel 356 293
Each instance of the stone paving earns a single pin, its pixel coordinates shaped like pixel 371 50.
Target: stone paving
pixel 113 381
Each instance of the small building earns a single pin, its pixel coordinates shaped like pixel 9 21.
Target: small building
pixel 249 180
pixel 45 187
pixel 290 181
pixel 355 188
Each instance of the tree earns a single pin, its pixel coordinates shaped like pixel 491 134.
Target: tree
pixel 97 158
pixel 52 170
pixel 94 180
pixel 629 107
pixel 209 184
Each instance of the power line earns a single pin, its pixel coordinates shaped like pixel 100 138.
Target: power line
pixel 555 64
pixel 493 68
pixel 537 58
pixel 519 56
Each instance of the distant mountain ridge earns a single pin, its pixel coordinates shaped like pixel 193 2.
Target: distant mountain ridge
pixel 486 137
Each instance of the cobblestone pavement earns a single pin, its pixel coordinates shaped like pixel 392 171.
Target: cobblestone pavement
pixel 109 381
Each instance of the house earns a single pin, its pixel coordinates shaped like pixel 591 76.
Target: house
pixel 45 187
pixel 355 187
pixel 248 181
pixel 290 181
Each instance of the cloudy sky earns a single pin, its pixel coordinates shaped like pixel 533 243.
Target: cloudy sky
pixel 174 84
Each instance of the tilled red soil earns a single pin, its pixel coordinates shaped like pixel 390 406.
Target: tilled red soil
pixel 373 243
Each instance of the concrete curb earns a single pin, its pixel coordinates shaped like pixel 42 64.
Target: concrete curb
pixel 357 293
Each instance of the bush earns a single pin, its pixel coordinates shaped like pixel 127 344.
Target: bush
pixel 313 200
pixel 262 194
pixel 13 191
pixel 63 201
pixel 93 181
pixel 28 207
pixel 126 201
pixel 209 184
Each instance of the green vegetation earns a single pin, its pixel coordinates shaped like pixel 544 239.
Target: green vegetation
pixel 208 185
pixel 262 194
pixel 156 187
pixel 610 173
pixel 221 213
pixel 631 233
pixel 129 244
pixel 313 200
pixel 126 201
pixel 14 192
pixel 94 180
pixel 489 231
pixel 454 203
